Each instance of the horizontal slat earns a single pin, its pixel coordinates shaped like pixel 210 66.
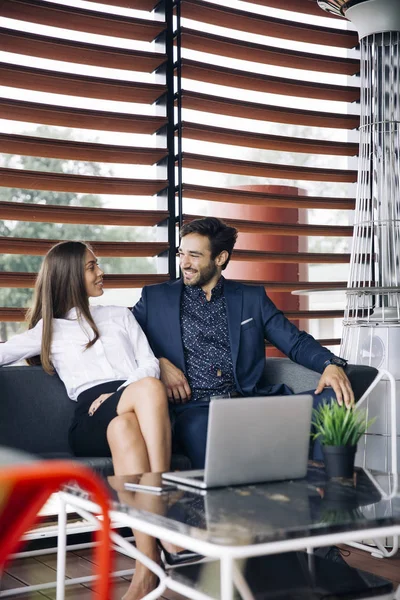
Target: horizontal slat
pixel 12 315
pixel 27 280
pixel 258 169
pixel 236 196
pixel 322 341
pixel 241 20
pixel 290 286
pixel 47 114
pixel 80 215
pixel 314 314
pixel 296 229
pixel 78 52
pixel 263 112
pixel 255 256
pixel 57 182
pixel 236 137
pixel 267 55
pixel 79 85
pixel 78 19
pixel 308 7
pixel 329 341
pixel 54 148
pixel 39 247
pixel 17 315
pixel 257 82
pixel 135 4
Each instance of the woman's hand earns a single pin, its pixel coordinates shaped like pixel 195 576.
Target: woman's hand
pixel 96 403
pixel 336 378
pixel 178 390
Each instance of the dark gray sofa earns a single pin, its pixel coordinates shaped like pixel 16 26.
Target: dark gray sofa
pixel 35 410
pixel 35 413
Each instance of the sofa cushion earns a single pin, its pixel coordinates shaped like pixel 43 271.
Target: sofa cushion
pixel 35 411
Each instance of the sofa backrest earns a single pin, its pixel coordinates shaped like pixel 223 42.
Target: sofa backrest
pixel 35 411
pixel 283 370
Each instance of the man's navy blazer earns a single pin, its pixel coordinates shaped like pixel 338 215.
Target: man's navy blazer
pixel 252 318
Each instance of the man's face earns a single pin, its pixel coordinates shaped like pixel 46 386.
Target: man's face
pixel 195 260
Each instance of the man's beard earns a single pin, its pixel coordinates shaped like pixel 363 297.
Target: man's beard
pixel 205 275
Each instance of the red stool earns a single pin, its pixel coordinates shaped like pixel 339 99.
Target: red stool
pixel 24 488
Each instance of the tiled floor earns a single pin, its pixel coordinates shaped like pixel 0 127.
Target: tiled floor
pixel 42 569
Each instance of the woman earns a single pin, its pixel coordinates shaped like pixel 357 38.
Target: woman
pixel 107 366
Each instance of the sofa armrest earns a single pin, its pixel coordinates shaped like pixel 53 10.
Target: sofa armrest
pixel 361 377
pixel 301 379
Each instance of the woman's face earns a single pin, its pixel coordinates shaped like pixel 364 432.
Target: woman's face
pixel 93 276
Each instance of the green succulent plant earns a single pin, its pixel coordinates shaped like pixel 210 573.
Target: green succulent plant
pixel 336 425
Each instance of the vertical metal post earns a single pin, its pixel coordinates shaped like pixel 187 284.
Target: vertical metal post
pixel 169 47
pixel 226 578
pixel 179 111
pixel 61 548
pixel 167 133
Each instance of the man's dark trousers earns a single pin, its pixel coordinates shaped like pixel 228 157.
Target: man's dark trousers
pixel 190 422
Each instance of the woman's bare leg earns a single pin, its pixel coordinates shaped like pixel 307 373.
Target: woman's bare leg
pixel 147 398
pixel 140 443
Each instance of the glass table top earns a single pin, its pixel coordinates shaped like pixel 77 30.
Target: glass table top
pixel 266 512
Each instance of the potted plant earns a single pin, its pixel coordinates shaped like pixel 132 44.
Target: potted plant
pixel 338 429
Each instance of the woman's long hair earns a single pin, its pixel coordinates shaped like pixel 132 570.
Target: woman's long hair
pixel 60 286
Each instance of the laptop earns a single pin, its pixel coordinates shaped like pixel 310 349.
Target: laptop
pixel 253 440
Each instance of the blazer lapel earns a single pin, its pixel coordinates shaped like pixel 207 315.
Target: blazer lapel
pixel 234 299
pixel 173 318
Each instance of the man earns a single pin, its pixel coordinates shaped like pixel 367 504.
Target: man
pixel 209 332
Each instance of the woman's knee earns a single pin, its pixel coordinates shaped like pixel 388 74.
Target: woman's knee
pixel 150 390
pixel 123 427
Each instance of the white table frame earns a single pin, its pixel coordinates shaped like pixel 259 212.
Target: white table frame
pixel 230 576
pixel 379 550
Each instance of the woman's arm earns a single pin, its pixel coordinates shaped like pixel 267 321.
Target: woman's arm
pixel 24 345
pixel 147 363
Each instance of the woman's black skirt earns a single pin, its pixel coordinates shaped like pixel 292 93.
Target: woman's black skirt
pixel 88 435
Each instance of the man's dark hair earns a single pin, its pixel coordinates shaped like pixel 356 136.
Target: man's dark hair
pixel 221 236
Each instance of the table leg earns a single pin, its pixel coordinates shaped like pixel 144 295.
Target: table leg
pixel 226 578
pixel 240 582
pixel 61 549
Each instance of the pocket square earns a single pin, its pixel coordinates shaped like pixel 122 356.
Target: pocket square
pixel 246 321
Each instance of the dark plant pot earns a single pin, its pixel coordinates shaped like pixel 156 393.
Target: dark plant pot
pixel 339 460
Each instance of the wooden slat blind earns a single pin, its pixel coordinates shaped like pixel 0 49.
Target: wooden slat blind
pixel 78 149
pixel 53 148
pixel 258 103
pixel 34 112
pixel 79 183
pixel 87 21
pixel 264 112
pixel 43 80
pixel 267 83
pixel 89 54
pixel 251 51
pixel 257 111
pixel 266 199
pixel 215 14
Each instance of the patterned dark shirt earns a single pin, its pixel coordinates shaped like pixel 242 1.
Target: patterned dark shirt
pixel 205 337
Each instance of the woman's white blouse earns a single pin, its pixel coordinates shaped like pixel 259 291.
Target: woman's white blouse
pixel 121 352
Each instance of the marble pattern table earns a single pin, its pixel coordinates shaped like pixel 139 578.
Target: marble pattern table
pixel 255 520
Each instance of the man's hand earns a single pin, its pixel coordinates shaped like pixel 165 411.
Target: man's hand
pixel 178 390
pixel 336 378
